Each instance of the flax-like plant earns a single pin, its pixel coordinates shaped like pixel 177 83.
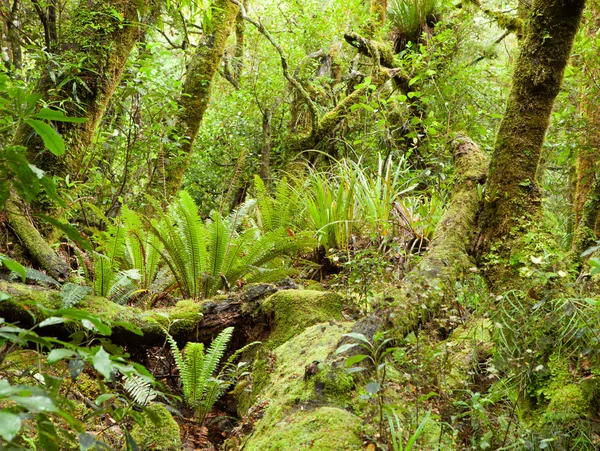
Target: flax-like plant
pixel 205 257
pixel 330 208
pixel 377 191
pixel 409 17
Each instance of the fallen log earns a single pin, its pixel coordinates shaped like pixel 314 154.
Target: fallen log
pixel 187 321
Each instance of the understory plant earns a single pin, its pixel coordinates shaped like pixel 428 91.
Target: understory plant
pixel 204 257
pixel 202 380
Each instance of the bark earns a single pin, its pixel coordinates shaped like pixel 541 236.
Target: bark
pixel 432 281
pixel 512 204
pixel 100 43
pixel 586 208
pixel 194 100
pixel 187 321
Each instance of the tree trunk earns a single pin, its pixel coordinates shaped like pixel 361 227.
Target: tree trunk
pixel 265 152
pixel 512 204
pixel 194 100
pixel 98 41
pixel 586 206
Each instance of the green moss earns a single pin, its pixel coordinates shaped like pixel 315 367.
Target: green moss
pixel 291 397
pixel 335 383
pixel 294 310
pixel 322 429
pixel 567 405
pixel 161 431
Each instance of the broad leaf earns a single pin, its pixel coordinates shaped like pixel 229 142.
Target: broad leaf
pixel 10 424
pixel 51 138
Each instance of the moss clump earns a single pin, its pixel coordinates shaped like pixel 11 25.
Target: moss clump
pixel 322 429
pixel 567 405
pixel 294 310
pixel 161 431
pixel 334 383
pixel 296 414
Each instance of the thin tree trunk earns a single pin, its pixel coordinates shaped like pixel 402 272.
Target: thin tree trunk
pixel 512 203
pixel 194 100
pixel 265 153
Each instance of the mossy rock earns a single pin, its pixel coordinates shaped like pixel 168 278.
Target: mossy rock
pixel 161 431
pixel 322 429
pixel 295 310
pixel 302 411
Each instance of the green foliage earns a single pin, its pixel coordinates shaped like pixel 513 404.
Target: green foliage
pixel 33 402
pixel 202 384
pixel 410 16
pixel 395 430
pixel 205 257
pixel 17 108
pixel 72 294
pixel 283 210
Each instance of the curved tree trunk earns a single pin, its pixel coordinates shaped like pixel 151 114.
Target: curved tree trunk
pixel 194 100
pixel 512 204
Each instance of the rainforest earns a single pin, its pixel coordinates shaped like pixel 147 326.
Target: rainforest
pixel 272 225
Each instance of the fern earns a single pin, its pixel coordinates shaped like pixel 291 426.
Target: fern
pixel 36 276
pixel 197 370
pixel 140 389
pixel 72 294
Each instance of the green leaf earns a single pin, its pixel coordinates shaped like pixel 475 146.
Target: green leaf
pixel 51 138
pixel 373 387
pixel 35 403
pixel 10 424
pixel 59 354
pixel 358 336
pixel 102 363
pixel 70 231
pixel 355 359
pixel 345 347
pixel 52 321
pixel 86 441
pixel 14 266
pixel 56 115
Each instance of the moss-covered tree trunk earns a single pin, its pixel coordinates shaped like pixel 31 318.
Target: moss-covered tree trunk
pixel 512 204
pixel 194 100
pixel 94 47
pixel 586 202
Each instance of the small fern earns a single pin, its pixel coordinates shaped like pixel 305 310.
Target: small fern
pixel 71 294
pixel 140 390
pixel 201 383
pixel 35 276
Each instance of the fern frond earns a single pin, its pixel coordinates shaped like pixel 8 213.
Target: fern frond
pixel 139 389
pixel 71 294
pixel 215 353
pixel 193 386
pixel 220 235
pixel 36 276
pixel 192 232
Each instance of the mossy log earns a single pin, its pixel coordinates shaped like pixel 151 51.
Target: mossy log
pixel 426 287
pixel 187 321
